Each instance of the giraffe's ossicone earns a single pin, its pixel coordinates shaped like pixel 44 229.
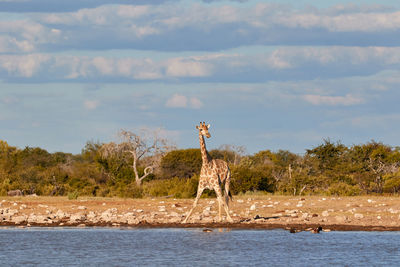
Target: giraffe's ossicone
pixel 215 175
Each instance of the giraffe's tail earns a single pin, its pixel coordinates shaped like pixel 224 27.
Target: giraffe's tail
pixel 227 193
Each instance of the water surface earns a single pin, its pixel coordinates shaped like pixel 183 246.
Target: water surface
pixel 193 247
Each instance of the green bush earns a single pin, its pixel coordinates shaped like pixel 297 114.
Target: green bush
pixel 392 184
pixel 174 187
pixel 343 189
pixel 251 179
pixel 73 195
pixel 183 163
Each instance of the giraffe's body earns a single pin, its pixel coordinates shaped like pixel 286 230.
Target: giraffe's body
pixel 214 173
pixel 219 174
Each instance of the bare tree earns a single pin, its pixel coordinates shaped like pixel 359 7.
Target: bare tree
pixel 380 168
pixel 238 152
pixel 146 148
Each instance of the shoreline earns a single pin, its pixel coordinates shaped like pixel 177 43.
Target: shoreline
pixel 294 213
pixel 237 226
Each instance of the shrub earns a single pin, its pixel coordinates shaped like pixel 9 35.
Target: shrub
pixel 183 163
pixel 392 183
pixel 174 187
pixel 343 189
pixel 251 179
pixel 73 195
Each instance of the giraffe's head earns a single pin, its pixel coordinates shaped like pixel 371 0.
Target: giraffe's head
pixel 203 129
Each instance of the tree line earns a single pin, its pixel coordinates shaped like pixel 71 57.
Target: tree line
pixel 146 165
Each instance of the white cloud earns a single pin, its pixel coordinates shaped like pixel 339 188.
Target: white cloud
pixel 104 65
pixel 179 67
pixel 181 101
pixel 177 101
pixel 347 100
pixel 196 103
pixel 133 11
pixel 199 27
pixel 91 104
pixel 23 66
pixel 144 31
pixel 186 27
pixel 371 121
pixel 276 61
pixel 288 63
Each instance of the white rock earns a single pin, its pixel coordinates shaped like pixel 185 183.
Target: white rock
pixel 81 208
pixel 393 211
pixel 253 207
pixel 161 208
pixel 291 211
pixel 92 216
pixel 38 219
pixel 19 219
pixel 197 217
pixel 175 214
pixel 341 219
pixel 10 212
pixel 133 220
pixel 358 216
pixel 240 201
pixel 325 213
pixel 77 217
pixel 206 213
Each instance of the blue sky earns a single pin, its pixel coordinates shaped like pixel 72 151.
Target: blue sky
pixel 265 74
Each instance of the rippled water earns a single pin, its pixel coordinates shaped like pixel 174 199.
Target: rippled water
pixel 193 247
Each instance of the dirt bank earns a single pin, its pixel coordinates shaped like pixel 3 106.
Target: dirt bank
pixel 368 213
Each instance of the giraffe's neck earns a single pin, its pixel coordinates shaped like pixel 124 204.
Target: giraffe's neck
pixel 204 155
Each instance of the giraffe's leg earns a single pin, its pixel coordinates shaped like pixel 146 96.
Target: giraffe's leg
pixel 219 210
pixel 227 194
pixel 222 202
pixel 199 192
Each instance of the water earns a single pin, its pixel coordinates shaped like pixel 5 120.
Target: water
pixel 193 247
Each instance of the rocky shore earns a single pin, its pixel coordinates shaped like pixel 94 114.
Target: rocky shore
pixel 369 213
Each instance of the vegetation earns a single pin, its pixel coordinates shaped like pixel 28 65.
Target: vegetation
pixel 113 170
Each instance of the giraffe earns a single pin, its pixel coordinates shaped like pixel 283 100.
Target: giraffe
pixel 214 173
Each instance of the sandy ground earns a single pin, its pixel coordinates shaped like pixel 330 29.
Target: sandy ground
pixel 258 212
